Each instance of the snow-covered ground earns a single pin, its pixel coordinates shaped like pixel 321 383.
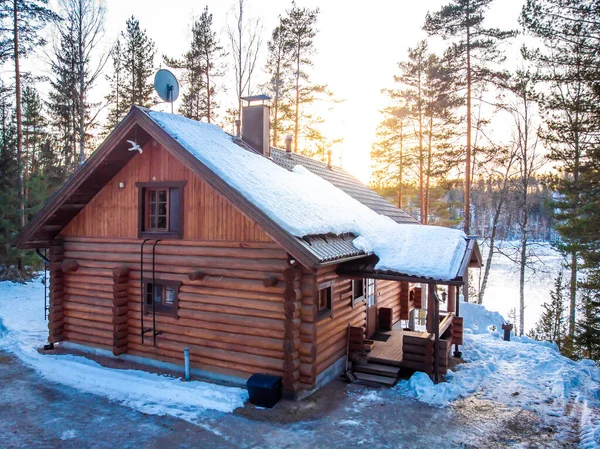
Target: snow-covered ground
pixel 23 331
pixel 502 293
pixel 523 372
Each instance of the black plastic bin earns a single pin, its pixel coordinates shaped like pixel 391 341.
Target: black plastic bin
pixel 264 390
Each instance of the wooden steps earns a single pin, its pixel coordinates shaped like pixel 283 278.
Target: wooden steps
pixel 380 370
pixel 375 379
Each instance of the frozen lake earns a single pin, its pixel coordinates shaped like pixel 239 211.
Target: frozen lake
pixel 502 292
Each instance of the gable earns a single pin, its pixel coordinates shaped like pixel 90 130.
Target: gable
pixel 208 215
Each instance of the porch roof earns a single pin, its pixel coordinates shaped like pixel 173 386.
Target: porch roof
pixel 366 268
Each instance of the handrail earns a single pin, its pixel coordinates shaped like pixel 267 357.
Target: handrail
pixel 446 322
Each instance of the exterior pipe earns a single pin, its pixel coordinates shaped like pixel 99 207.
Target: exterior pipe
pixel 41 256
pixel 186 358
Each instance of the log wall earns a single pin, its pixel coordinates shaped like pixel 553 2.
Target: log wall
pixel 388 295
pixel 331 332
pixel 232 317
pixel 113 212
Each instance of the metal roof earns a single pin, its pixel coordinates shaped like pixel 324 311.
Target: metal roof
pixel 330 247
pixel 343 181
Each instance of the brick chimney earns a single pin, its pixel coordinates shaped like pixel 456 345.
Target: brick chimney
pixel 288 144
pixel 256 124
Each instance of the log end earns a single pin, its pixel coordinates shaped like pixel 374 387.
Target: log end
pixel 270 281
pixel 197 275
pixel 70 265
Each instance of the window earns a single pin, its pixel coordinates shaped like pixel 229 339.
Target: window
pixel 370 296
pixel 325 299
pixel 358 291
pixel 160 209
pixel 164 294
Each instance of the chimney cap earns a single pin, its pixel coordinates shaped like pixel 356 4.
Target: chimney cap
pixel 251 98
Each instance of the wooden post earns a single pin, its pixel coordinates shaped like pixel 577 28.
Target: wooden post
pixel 457 353
pixel 430 320
pixel 55 310
pixel 120 309
pixel 436 347
pixel 451 299
pixel 291 344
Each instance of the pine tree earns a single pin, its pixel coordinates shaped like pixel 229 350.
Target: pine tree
pixel 201 65
pixel 133 64
pixel 28 18
pixel 389 152
pixel 78 63
pixel 118 106
pixel 567 65
pixel 551 324
pixel 299 28
pixel 475 50
pixel 278 86
pixel 587 335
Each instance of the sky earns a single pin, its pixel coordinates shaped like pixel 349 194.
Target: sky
pixel 358 47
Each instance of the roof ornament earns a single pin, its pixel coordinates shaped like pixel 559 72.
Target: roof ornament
pixel 134 146
pixel 166 86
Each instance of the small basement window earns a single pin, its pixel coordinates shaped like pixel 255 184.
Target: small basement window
pixel 160 209
pixel 358 291
pixel 164 294
pixel 325 299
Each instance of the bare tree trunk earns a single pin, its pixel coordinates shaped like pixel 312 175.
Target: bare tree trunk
pixel 421 157
pixel 20 162
pixel 572 299
pixel 81 74
pixel 467 223
pixel 523 263
pixel 296 116
pixel 488 262
pixel 401 166
pixel 428 172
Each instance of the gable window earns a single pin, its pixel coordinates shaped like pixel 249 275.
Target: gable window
pixel 160 209
pixel 164 294
pixel 358 291
pixel 325 299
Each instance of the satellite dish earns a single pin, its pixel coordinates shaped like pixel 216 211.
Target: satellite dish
pixel 166 86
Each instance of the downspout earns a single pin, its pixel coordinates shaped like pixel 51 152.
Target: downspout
pixel 41 256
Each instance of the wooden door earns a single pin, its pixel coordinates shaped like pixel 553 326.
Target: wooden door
pixel 371 301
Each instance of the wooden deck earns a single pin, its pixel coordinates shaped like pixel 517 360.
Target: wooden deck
pixel 390 352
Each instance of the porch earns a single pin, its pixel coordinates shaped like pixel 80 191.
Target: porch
pixel 395 349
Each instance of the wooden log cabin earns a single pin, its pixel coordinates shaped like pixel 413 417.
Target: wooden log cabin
pixel 156 248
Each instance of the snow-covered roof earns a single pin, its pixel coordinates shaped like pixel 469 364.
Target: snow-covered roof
pixel 303 204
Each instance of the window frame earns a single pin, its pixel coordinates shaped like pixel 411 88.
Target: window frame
pixel 328 310
pixel 162 309
pixel 357 299
pixel 143 195
pixel 368 295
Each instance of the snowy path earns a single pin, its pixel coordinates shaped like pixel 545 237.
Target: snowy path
pixel 23 330
pixel 521 373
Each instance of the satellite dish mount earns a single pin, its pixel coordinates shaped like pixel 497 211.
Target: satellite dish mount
pixel 166 86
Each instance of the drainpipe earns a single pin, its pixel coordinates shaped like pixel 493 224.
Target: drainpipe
pixel 186 357
pixel 41 256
